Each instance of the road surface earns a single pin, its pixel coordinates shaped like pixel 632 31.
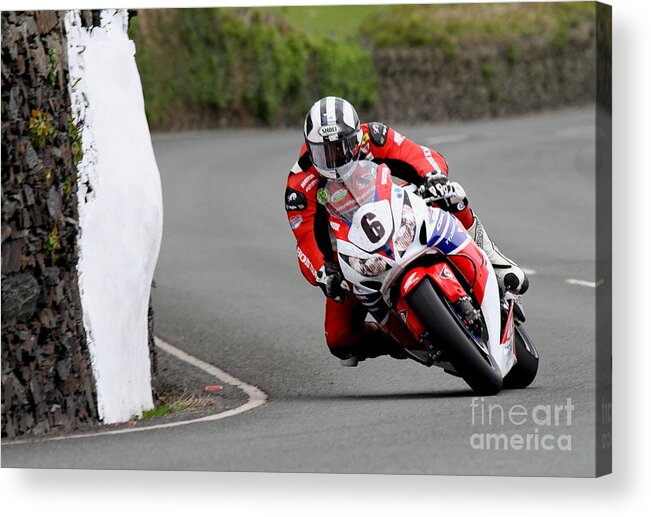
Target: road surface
pixel 230 293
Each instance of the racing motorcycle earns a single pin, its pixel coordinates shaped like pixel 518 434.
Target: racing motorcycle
pixel 425 281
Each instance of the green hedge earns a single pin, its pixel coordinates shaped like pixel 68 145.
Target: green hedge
pixel 267 65
pixel 245 61
pixel 451 27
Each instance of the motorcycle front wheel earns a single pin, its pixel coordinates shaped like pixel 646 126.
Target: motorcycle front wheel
pixel 525 369
pixel 453 339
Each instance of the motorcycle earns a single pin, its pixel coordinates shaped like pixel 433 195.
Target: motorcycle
pixel 425 281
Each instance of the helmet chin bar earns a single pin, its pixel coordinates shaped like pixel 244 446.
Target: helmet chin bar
pixel 338 173
pixel 331 174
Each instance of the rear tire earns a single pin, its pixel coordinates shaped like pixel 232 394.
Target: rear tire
pixel 479 371
pixel 525 369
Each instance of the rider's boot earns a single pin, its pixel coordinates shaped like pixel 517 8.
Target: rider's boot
pixel 373 342
pixel 350 362
pixel 514 279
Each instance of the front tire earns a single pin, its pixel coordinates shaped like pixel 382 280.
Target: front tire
pixel 525 369
pixel 479 370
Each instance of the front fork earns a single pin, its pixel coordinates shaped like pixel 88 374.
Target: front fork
pixel 398 328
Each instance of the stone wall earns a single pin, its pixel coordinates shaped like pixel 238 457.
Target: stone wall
pixel 426 84
pixel 46 375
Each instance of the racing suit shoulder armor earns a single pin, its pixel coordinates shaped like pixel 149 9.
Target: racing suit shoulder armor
pixel 294 200
pixel 300 190
pixel 377 133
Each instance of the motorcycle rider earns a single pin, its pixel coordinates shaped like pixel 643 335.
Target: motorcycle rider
pixel 334 141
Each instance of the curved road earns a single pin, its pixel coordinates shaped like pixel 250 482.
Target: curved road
pixel 230 293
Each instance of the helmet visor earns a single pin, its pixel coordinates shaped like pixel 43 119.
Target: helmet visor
pixel 333 155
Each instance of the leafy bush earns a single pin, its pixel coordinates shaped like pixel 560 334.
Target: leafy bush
pixel 267 65
pixel 245 61
pixel 453 26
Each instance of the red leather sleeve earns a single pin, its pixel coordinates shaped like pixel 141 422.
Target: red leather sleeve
pixel 422 159
pixel 405 158
pixel 301 207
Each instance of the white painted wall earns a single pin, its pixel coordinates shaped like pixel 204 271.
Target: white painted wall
pixel 120 211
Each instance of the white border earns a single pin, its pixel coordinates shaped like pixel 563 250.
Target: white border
pixel 625 492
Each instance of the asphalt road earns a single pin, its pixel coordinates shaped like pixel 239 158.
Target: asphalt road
pixel 230 292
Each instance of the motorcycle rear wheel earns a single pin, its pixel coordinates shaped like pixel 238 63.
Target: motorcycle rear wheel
pixel 479 370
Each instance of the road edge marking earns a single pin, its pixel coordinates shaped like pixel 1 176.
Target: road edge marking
pixel 257 398
pixel 584 283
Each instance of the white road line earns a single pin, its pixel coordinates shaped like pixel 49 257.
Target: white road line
pixel 528 271
pixel 256 398
pixel 584 283
pixel 446 139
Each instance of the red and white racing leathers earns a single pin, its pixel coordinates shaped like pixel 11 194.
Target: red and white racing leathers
pixel 344 322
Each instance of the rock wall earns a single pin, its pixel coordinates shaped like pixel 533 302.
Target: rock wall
pixel 78 172
pixel 427 84
pixel 46 373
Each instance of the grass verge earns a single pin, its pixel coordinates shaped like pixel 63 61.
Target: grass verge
pixel 175 403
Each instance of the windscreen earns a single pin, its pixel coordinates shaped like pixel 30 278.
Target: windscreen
pixel 343 196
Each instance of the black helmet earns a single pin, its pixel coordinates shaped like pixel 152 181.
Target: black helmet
pixel 333 136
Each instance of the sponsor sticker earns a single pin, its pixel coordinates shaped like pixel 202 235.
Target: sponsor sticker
pixel 345 206
pixel 328 130
pixel 306 261
pixel 295 222
pixel 364 145
pixel 362 181
pixel 322 196
pixel 413 278
pixel 385 175
pixel 339 195
pixel 335 226
pixel 445 273
pixel 428 155
pixel 307 179
pixel 398 138
pixel 439 223
pixel 452 231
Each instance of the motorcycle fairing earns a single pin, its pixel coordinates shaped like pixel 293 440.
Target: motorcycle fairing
pixel 409 318
pixel 441 274
pixel 369 258
pixel 508 336
pixel 451 238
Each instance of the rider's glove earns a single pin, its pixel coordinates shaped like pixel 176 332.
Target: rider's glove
pixel 448 195
pixel 332 282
